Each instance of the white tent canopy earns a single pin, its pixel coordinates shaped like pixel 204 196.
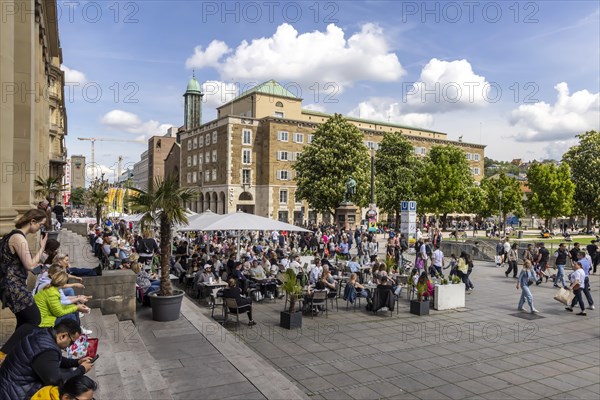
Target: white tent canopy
pixel 238 221
pixel 196 221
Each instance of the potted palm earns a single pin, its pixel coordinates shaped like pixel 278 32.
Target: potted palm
pixel 49 188
pixel 164 205
pixel 290 317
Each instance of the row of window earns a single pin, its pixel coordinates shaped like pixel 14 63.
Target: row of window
pixel 192 177
pixel 200 141
pixel 194 160
pixel 283 136
pixel 472 156
pixel 288 155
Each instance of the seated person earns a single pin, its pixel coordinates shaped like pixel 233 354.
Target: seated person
pixel 51 309
pixel 76 388
pixel 75 273
pixel 329 281
pixel 354 266
pixel 315 273
pixel 37 361
pixel 257 271
pixel 239 276
pixel 144 280
pixel 424 287
pixel 320 285
pixel 243 303
pixel 204 277
pixel 67 294
pixel 360 289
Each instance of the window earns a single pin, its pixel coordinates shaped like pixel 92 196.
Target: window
pixel 189 144
pixel 283 196
pixel 214 156
pixel 283 175
pixel 189 161
pixel 298 138
pixel 420 151
pixel 475 157
pixel 207 157
pixel 207 139
pixel 246 156
pixel 372 145
pixel 296 155
pixel 282 155
pixel 194 177
pixel 469 156
pixel 476 171
pixel 201 141
pixel 279 104
pixel 310 138
pixel 283 216
pixel 246 136
pixel 246 176
pixel 214 174
pixel 214 137
pixel 200 159
pixel 189 177
pixel 278 114
pixel 194 160
pixel 206 176
pixel 282 136
pixel 195 143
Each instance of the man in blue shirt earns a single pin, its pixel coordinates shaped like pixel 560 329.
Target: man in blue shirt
pixel 586 265
pixel 343 248
pixel 354 266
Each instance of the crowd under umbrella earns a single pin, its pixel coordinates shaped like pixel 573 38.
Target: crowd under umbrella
pixel 238 222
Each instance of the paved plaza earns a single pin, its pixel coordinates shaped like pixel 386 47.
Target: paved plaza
pixel 486 350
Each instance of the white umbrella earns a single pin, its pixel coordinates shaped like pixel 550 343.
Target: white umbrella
pixel 197 221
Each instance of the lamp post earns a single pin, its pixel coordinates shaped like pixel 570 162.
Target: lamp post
pixel 373 173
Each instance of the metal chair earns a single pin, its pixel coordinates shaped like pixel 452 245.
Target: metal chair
pixel 333 295
pixel 231 307
pixel 319 298
pixel 214 297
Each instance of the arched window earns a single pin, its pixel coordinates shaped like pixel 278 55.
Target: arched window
pixel 279 104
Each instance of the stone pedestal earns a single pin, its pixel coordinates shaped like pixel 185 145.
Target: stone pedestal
pixel 345 216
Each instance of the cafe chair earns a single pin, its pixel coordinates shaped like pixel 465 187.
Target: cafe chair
pixel 318 299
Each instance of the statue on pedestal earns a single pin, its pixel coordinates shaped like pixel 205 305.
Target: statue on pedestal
pixel 350 190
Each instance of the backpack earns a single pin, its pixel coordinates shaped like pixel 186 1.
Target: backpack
pixel 3 263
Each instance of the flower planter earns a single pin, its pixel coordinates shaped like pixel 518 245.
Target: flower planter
pixel 166 308
pixel 419 307
pixel 290 320
pixel 448 297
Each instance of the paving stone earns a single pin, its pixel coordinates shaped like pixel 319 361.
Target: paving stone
pixel 430 394
pixel 317 384
pixel 362 393
pixel 385 389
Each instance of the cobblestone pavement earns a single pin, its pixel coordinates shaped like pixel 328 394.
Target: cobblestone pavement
pixel 486 350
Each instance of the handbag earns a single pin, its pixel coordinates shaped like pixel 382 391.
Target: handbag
pixel 577 286
pixel 564 296
pixel 79 348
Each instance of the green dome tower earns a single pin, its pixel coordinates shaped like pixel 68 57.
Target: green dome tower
pixel 193 104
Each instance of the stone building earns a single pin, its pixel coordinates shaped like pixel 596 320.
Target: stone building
pixel 243 160
pixel 33 122
pixel 77 172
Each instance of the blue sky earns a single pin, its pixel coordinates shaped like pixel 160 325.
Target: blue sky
pixel 520 77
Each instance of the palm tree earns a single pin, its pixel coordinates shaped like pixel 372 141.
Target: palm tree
pixel 96 196
pixel 163 204
pixel 48 188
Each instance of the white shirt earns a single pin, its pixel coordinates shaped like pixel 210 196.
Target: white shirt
pixel 295 266
pixel 315 274
pixel 506 247
pixel 373 248
pixel 578 275
pixel 438 258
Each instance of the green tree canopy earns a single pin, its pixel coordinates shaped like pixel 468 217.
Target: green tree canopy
pixel 396 168
pixel 97 195
pixel 77 196
pixel 512 196
pixel 445 182
pixel 584 160
pixel 336 154
pixel 48 188
pixel 551 190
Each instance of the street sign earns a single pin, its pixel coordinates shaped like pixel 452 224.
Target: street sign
pixel 412 206
pixel 404 206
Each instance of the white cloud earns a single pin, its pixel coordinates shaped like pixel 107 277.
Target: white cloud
pixel 208 58
pixel 73 76
pixel 314 107
pixel 555 150
pixel 570 115
pixel 97 170
pixel 307 58
pixel 388 109
pixel 217 93
pixel 128 122
pixel 448 86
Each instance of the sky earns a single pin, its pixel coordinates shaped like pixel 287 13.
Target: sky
pixel 523 78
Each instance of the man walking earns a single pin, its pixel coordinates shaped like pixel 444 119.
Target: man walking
pixel 560 262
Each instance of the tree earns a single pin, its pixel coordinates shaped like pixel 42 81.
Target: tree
pixel 551 190
pixel 445 182
pixel 584 161
pixel 396 169
pixel 97 195
pixel 336 154
pixel 48 188
pixel 77 196
pixel 164 204
pixel 511 197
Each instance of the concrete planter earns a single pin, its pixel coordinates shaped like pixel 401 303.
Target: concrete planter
pixel 419 307
pixel 448 297
pixel 166 308
pixel 53 235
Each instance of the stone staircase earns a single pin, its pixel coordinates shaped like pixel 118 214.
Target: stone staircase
pixel 125 368
pixel 78 248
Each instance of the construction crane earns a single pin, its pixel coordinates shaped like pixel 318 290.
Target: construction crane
pixel 94 140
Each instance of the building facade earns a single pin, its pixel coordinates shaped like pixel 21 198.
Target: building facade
pixel 140 172
pixel 77 172
pixel 243 160
pixel 33 122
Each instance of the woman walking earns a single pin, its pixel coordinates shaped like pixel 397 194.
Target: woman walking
pixel 513 259
pixel 525 277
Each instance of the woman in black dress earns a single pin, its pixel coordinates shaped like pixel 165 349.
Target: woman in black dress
pixel 243 303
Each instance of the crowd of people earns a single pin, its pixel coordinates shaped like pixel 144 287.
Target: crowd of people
pixel 47 318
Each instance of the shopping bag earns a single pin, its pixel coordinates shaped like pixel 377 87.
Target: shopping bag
pixel 564 296
pixel 79 348
pixel 93 347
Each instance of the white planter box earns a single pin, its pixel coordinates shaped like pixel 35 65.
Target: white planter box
pixel 450 296
pixel 306 260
